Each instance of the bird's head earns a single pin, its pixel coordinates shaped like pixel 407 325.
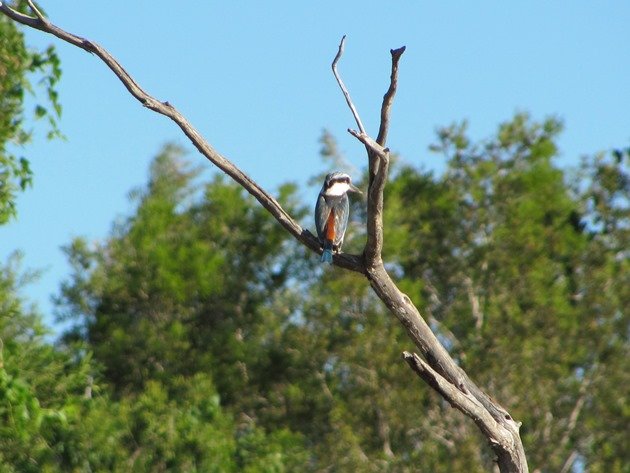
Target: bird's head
pixel 337 184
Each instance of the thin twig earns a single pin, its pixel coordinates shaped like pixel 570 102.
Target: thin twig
pixel 38 14
pixel 346 94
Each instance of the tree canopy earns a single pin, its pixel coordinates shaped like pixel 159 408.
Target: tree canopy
pixel 205 339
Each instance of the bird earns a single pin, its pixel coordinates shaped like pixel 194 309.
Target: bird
pixel 331 212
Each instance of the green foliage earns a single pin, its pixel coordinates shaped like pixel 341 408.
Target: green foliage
pixel 18 64
pixel 521 275
pixel 177 289
pixel 37 382
pixel 526 278
pixel 205 339
pixel 55 417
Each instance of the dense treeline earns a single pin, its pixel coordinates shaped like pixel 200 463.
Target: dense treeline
pixel 204 339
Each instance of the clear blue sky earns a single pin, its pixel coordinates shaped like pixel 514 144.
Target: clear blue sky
pixel 254 78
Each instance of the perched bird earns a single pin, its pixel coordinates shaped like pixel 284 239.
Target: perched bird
pixel 331 212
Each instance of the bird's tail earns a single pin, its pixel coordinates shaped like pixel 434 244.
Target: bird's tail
pixel 327 256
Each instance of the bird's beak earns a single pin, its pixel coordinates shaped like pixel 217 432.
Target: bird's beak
pixel 354 188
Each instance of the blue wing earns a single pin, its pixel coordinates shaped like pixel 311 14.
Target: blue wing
pixel 322 210
pixel 342 210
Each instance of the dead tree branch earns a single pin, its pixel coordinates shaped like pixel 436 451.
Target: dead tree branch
pixel 388 98
pixel 464 402
pixel 346 94
pixel 347 261
pixel 439 370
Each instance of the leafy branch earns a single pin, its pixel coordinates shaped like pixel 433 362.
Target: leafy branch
pixel 17 63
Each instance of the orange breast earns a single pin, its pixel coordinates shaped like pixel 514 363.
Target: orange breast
pixel 330 226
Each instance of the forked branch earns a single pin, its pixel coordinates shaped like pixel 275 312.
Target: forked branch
pixel 440 370
pixel 465 402
pixel 378 156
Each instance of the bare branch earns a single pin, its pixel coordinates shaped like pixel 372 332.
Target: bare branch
pixel 500 435
pixel 346 94
pixel 38 14
pixel 511 457
pixel 370 144
pixel 569 462
pixel 374 244
pixel 378 157
pixel 465 403
pixel 351 262
pixel 398 303
pixel 388 98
